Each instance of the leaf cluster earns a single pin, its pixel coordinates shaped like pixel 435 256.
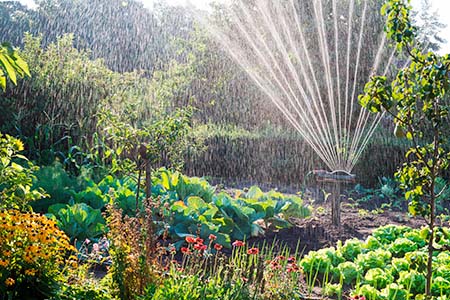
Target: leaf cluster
pixel 11 65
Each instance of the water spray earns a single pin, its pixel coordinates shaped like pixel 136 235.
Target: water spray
pixel 335 179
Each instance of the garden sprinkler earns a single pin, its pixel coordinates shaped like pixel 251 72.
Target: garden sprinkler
pixel 336 178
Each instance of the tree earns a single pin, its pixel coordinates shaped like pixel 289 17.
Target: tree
pixel 417 98
pixel 429 27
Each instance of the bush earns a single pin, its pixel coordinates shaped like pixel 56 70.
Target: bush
pixel 33 252
pixel 15 179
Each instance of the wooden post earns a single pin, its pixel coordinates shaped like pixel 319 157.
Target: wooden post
pixel 336 204
pixel 148 180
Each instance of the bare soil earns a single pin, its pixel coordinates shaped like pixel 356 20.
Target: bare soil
pixel 317 231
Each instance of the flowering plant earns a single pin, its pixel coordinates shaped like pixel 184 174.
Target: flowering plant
pixel 16 179
pixel 33 253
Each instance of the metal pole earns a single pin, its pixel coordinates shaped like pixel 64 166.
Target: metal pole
pixel 336 204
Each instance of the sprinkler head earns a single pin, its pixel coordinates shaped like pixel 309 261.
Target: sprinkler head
pixel 337 176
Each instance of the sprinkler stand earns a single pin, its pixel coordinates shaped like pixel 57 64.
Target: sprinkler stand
pixel 335 178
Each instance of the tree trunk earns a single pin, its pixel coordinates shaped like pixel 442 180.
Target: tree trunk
pixel 432 212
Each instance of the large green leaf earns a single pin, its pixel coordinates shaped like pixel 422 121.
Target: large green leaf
pixel 6 64
pixel 254 193
pixel 196 204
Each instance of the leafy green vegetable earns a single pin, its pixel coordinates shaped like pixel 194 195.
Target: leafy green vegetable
pixel 349 271
pixel 401 246
pixel 377 278
pixel 78 221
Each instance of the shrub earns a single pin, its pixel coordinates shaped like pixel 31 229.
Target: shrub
pixel 32 254
pixel 15 179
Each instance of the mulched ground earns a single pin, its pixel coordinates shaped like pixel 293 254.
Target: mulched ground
pixel 317 231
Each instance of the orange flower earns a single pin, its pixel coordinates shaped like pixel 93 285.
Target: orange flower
pixel 253 251
pixel 4 263
pixel 10 282
pixel 30 272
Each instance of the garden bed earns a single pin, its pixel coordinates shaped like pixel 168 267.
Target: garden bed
pixel 317 231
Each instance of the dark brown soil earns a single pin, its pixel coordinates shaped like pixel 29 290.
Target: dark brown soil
pixel 317 231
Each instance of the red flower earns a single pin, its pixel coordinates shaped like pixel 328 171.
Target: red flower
pixel 218 247
pixel 291 260
pixel 238 244
pixel 292 268
pixel 190 239
pixel 185 250
pixel 212 237
pixel 358 297
pixel 199 240
pixel 200 247
pixel 253 251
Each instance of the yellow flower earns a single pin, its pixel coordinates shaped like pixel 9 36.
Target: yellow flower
pixel 19 145
pixel 10 281
pixel 30 272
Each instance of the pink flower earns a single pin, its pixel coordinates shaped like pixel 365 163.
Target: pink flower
pixel 238 244
pixel 95 247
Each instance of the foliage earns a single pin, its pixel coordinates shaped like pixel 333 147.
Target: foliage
pixel 192 207
pixel 11 65
pixel 16 189
pixel 417 99
pixel 249 273
pixel 77 109
pixel 33 253
pixel 78 221
pixel 391 263
pixel 84 286
pixel 58 184
pixel 112 21
pixel 133 251
pixel 387 194
pixel 165 140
